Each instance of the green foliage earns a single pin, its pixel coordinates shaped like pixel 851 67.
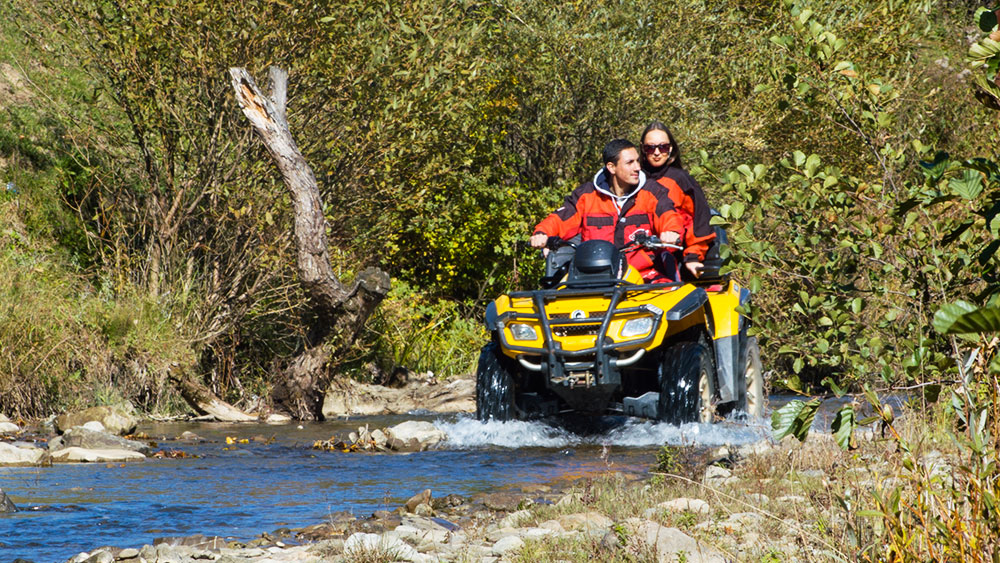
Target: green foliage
pixel 668 459
pixel 413 331
pixel 794 419
pixel 442 131
pixel 963 317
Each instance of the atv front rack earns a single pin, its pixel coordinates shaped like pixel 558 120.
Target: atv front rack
pixel 557 363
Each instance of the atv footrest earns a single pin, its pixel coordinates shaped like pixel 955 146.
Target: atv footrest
pixel 644 405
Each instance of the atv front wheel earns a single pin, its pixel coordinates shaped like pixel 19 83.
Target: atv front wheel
pixel 753 379
pixel 494 386
pixel 687 383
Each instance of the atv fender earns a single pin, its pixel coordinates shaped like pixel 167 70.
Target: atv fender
pixel 729 336
pixel 491 316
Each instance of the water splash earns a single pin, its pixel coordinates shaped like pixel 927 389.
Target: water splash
pixel 466 433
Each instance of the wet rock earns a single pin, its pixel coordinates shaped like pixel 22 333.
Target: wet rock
pixel 506 502
pixel 86 438
pixel 278 418
pixel 379 522
pixel 6 505
pixel 423 497
pixel 114 419
pixel 74 454
pixel 449 501
pixel 423 510
pixel 15 455
pixel 507 544
pixel 323 531
pixel 414 436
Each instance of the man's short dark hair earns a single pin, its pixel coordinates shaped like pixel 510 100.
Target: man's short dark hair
pixel 614 149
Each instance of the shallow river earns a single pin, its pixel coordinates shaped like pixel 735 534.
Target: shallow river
pixel 240 490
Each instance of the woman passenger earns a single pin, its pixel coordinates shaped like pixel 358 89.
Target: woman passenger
pixel 661 161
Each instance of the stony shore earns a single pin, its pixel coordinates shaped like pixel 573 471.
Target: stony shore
pixel 760 502
pixel 738 504
pixel 714 514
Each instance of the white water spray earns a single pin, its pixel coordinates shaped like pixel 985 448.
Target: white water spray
pixel 466 432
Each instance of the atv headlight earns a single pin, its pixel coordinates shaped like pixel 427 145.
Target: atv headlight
pixel 637 327
pixel 523 332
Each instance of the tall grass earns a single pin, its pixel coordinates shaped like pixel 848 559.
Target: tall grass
pixel 422 334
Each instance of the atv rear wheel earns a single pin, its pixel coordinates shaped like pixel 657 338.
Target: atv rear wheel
pixel 753 380
pixel 494 386
pixel 687 383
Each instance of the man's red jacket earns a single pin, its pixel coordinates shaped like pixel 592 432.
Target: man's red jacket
pixel 596 213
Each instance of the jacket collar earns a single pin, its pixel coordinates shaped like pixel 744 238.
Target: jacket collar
pixel 603 185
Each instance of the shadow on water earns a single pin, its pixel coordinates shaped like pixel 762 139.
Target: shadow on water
pixel 238 490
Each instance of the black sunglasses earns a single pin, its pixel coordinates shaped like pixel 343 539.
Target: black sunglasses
pixel 650 149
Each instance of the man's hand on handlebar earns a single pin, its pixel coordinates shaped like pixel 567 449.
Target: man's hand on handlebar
pixel 538 240
pixel 670 237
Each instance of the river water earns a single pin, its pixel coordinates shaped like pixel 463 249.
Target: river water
pixel 240 490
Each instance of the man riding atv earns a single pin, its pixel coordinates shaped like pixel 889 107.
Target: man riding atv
pixel 611 330
pixel 614 206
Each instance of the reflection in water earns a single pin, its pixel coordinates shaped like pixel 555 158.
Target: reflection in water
pixel 241 490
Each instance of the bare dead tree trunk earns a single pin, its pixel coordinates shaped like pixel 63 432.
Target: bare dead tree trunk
pixel 204 402
pixel 339 312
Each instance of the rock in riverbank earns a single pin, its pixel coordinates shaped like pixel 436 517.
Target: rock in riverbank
pixel 6 505
pixel 409 436
pixel 115 420
pixel 83 437
pixel 11 454
pixel 8 427
pixel 74 454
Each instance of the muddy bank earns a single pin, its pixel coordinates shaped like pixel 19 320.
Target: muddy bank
pixel 347 397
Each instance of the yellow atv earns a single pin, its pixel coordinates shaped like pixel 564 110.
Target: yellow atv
pixel 597 339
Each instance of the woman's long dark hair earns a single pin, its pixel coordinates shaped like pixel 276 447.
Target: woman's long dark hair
pixel 674 147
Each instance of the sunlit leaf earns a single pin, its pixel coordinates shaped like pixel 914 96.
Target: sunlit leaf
pixel 969 186
pixel 837 390
pixel 843 427
pixel 794 419
pixel 963 317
